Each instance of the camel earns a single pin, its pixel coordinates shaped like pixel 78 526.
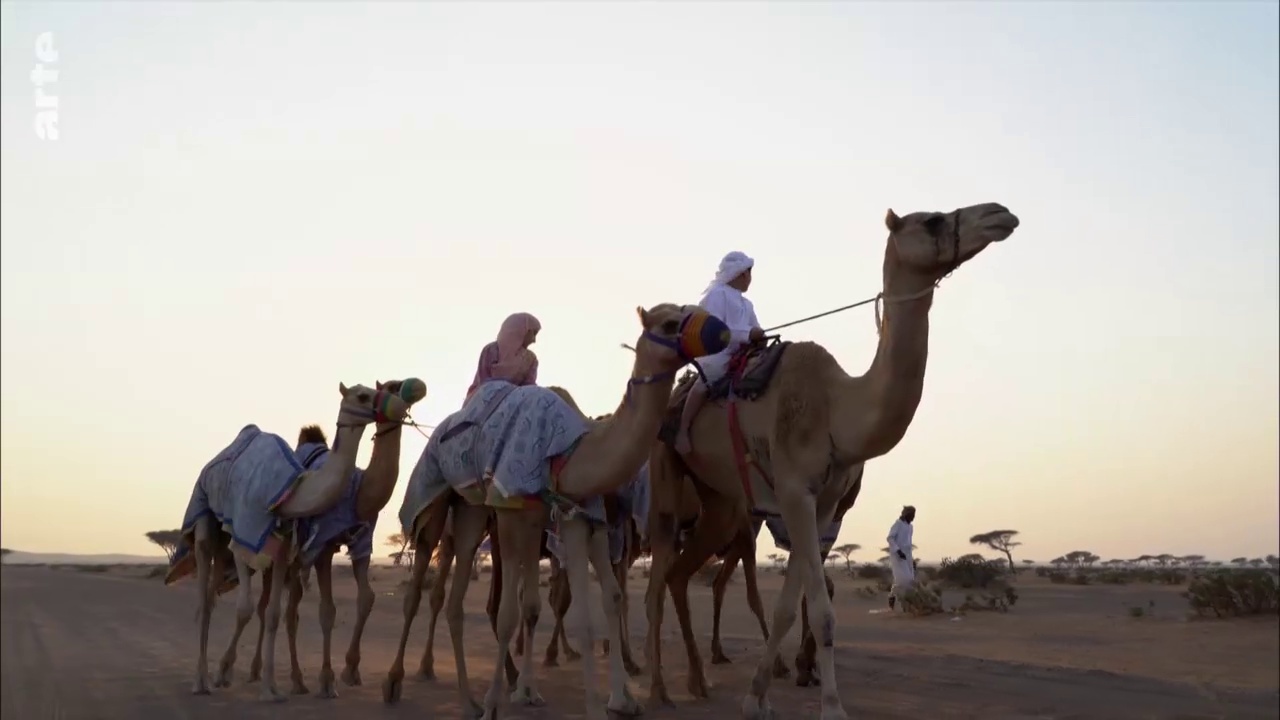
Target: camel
pixel 351 523
pixel 795 427
pixel 253 495
pixel 566 464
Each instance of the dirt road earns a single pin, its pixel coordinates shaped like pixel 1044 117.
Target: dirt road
pixel 100 646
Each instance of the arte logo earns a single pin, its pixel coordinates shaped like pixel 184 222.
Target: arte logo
pixel 46 120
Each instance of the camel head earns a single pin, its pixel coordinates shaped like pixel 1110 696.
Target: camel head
pixel 933 244
pixel 361 405
pixel 674 335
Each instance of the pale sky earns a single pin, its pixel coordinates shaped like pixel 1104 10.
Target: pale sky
pixel 250 202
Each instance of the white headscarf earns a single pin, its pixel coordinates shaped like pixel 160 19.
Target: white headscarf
pixel 731 266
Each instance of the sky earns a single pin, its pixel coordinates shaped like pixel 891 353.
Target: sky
pixel 248 203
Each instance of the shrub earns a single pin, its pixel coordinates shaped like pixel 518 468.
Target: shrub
pixel 867 571
pixel 970 572
pixel 997 601
pixel 1058 577
pixel 921 600
pixel 1114 577
pixel 1231 593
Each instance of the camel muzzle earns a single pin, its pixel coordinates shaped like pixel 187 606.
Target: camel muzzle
pixel 702 334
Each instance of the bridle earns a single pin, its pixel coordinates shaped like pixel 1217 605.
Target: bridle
pixel 677 345
pixel 376 414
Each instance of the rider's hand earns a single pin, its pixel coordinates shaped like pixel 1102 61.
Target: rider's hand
pixel 756 335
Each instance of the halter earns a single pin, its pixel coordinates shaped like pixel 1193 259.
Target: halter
pixel 675 345
pixel 376 414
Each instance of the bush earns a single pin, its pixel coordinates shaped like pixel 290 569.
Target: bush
pixel 921 600
pixel 970 572
pixel 867 571
pixel 1232 593
pixel 997 601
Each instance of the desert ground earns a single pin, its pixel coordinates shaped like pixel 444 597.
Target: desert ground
pixel 105 643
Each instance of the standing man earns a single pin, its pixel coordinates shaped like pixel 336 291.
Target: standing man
pixel 904 571
pixel 724 299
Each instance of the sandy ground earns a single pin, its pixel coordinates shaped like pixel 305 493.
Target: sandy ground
pixel 83 645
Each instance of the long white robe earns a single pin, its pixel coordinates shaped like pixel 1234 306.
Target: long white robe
pixel 733 309
pixel 904 572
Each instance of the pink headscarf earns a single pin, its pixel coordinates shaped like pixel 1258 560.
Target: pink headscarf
pixel 509 358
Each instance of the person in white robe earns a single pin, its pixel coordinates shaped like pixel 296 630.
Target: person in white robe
pixel 904 570
pixel 725 299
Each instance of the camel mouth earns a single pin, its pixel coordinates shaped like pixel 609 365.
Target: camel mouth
pixel 1002 222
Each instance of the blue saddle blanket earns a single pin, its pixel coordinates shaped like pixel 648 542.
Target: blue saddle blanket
pixel 339 524
pixel 505 434
pixel 782 539
pixel 243 485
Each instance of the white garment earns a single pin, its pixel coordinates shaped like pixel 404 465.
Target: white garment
pixel 904 572
pixel 733 309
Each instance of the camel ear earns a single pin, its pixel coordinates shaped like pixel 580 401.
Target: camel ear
pixel 342 388
pixel 377 384
pixel 892 221
pixel 644 317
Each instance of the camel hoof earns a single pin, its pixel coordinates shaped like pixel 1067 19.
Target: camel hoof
pixel 351 676
pixel 299 688
pixel 473 711
pixel 571 655
pixel 754 708
pixel 698 686
pixel 527 696
pixel 550 661
pixel 426 672
pixel 719 658
pixel 328 691
pixel 270 695
pixel 833 713
pixel 200 687
pixel 626 706
pixel 658 696
pixel 391 690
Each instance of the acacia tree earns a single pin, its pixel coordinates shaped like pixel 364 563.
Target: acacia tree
pixel 168 540
pixel 847 551
pixel 1000 541
pixel 403 555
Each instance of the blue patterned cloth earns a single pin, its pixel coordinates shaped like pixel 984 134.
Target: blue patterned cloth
pixel 339 524
pixel 778 530
pixel 633 501
pixel 504 432
pixel 242 484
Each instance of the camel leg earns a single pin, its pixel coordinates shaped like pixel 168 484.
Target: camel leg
pixel 495 592
pixel 444 563
pixel 621 571
pixel 718 588
pixel 620 700
pixel 244 613
pixel 663 530
pixel 255 667
pixel 806 661
pixel 364 606
pixel 573 536
pixel 469 523
pixel 511 530
pixel 755 706
pixel 328 617
pixel 291 618
pixel 560 598
pixel 269 693
pixel 714 529
pixel 427 539
pixel 780 669
pixel 203 549
pixel 526 689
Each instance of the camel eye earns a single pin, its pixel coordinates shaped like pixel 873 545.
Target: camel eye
pixel 362 397
pixel 671 327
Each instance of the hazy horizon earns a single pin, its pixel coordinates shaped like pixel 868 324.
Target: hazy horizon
pixel 249 203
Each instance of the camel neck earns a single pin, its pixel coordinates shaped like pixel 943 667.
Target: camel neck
pixel 610 455
pixel 380 477
pixel 895 381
